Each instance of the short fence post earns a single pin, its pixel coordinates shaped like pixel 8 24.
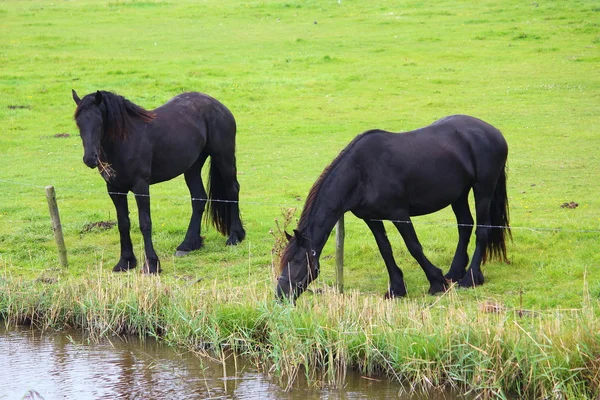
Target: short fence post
pixel 56 226
pixel 339 254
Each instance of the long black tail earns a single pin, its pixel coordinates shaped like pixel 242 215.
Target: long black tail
pixel 222 201
pixel 499 217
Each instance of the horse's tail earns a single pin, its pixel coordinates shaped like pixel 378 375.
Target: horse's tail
pixel 499 220
pixel 222 199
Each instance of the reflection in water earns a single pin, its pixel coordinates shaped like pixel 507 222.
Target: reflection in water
pixel 58 366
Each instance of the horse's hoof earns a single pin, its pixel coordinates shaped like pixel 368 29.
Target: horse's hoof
pixel 450 277
pixel 232 242
pixel 471 280
pixel 391 294
pixel 181 253
pixel 438 287
pixel 236 238
pixel 151 268
pixel 123 266
pixel 153 271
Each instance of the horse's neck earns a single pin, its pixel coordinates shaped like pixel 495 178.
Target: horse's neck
pixel 107 150
pixel 331 202
pixel 114 152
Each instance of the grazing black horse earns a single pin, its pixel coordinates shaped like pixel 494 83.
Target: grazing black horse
pixel 388 176
pixel 134 148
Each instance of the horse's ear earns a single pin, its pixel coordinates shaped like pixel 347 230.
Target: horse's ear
pixel 288 236
pixel 75 97
pixel 300 238
pixel 98 98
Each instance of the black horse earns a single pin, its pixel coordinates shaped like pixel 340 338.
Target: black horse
pixel 388 176
pixel 134 148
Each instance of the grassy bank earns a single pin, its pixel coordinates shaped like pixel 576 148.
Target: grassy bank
pixel 302 79
pixel 477 346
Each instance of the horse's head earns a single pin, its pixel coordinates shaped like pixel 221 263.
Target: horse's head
pixel 88 117
pixel 299 267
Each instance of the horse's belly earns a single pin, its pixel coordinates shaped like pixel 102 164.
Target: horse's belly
pixel 417 197
pixel 424 209
pixel 436 197
pixel 164 169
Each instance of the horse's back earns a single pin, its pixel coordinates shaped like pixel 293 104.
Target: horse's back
pixel 429 167
pixel 460 135
pixel 193 116
pixel 487 146
pixel 481 135
pixel 185 127
pixel 196 105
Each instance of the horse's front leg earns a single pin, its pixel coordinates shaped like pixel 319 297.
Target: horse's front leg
pixel 127 260
pixel 434 274
pixel 397 287
pixel 142 198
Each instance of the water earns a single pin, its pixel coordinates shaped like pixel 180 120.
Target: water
pixel 65 366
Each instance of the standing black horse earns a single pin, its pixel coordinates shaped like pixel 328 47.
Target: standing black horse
pixel 388 176
pixel 134 148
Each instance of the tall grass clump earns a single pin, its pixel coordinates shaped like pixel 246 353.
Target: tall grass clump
pixel 427 343
pixel 495 351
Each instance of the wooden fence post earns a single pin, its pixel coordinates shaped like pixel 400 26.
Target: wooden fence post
pixel 56 226
pixel 339 254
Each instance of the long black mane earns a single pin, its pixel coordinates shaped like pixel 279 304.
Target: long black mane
pixel 314 191
pixel 118 113
pixel 292 248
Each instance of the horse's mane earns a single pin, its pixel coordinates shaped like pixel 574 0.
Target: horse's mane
pixel 119 113
pixel 292 246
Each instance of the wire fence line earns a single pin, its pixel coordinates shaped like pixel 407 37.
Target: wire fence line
pixel 263 203
pixel 492 226
pixel 186 198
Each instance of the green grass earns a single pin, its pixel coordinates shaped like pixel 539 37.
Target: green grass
pixel 302 79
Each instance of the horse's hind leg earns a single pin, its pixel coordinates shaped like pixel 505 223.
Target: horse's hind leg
pixel 465 228
pixel 193 179
pixel 433 273
pixel 483 199
pixel 397 287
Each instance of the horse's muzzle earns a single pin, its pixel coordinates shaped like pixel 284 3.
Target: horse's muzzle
pixel 91 162
pixel 286 291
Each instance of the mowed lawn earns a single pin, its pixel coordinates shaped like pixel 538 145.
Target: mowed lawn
pixel 302 79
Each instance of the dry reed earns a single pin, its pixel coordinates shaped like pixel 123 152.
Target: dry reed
pixel 105 169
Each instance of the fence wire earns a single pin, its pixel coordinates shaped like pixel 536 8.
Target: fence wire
pixel 269 204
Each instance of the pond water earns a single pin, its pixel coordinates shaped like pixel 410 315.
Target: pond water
pixel 66 366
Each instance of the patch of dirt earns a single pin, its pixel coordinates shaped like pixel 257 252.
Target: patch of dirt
pixel 98 226
pixel 569 205
pixel 61 135
pixel 47 279
pixel 491 307
pixel 19 107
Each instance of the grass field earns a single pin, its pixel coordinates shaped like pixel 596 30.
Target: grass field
pixel 302 79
